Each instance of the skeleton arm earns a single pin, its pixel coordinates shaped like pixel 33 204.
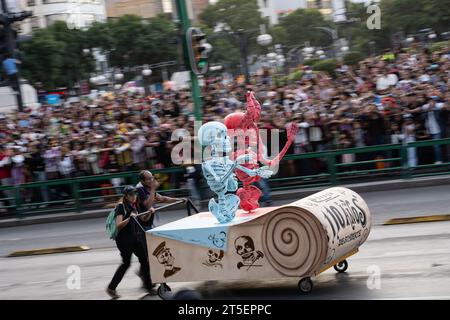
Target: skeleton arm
pixel 227 175
pixel 208 167
pixel 263 172
pixel 291 132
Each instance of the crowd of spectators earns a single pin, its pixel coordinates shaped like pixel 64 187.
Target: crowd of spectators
pixel 379 101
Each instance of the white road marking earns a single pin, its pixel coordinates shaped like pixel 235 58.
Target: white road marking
pixel 418 298
pixel 38 282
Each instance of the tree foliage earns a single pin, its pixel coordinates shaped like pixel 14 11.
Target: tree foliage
pixel 129 41
pixel 238 16
pixel 54 56
pixel 301 25
pixel 399 18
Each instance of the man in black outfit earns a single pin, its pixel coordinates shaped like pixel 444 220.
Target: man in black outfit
pixel 128 242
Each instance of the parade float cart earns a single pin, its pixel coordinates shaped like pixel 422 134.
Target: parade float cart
pixel 301 240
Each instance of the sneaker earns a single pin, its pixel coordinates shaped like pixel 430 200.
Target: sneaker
pixel 112 293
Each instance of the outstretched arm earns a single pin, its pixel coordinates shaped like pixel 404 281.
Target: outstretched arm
pixel 242 158
pixel 229 172
pixel 291 132
pixel 263 172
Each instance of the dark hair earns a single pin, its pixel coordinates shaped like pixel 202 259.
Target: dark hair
pixel 126 192
pixel 142 174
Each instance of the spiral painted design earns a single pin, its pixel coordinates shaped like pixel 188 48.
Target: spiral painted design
pixel 294 241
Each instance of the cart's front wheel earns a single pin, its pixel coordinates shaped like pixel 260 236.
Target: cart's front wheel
pixel 305 285
pixel 163 289
pixel 341 266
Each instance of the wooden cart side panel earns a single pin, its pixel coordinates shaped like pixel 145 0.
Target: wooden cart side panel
pixel 343 216
pixel 244 258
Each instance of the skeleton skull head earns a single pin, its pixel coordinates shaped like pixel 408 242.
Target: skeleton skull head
pixel 166 258
pixel 214 134
pixel 244 246
pixel 212 256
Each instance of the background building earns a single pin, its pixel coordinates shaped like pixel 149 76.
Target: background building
pixel 77 13
pixel 274 9
pixel 152 8
pixel 142 8
pixel 334 9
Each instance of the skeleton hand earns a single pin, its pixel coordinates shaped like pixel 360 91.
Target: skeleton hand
pixel 264 172
pixel 291 131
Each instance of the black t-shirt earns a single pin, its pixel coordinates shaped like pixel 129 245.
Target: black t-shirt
pixel 375 126
pixel 36 162
pixel 127 232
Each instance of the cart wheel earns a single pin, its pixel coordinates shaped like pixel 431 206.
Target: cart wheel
pixel 341 266
pixel 305 285
pixel 163 289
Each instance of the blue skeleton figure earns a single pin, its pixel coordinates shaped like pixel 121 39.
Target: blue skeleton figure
pixel 218 170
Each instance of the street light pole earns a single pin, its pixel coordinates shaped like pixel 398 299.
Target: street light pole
pixel 334 36
pixel 185 25
pixel 240 38
pixel 244 55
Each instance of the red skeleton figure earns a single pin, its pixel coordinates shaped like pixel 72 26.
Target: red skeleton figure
pixel 245 127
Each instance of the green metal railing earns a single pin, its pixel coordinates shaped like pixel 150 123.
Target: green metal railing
pixel 98 191
pixel 84 192
pixel 394 164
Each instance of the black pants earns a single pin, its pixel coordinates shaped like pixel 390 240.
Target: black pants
pixel 127 248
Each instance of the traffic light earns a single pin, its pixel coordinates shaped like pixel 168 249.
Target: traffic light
pixel 8 36
pixel 10 17
pixel 198 50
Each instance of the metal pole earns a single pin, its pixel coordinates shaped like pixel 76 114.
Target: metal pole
pixel 185 24
pixel 334 35
pixel 165 76
pixel 243 49
pixel 11 45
